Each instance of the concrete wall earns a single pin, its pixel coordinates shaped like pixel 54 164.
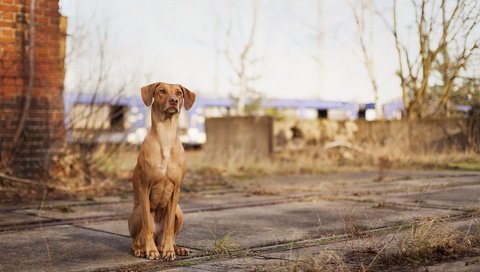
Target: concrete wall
pixel 418 136
pixel 253 137
pixel 43 137
pixel 239 137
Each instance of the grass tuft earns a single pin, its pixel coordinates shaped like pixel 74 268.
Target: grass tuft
pixel 432 239
pixel 64 209
pixel 227 244
pixel 326 260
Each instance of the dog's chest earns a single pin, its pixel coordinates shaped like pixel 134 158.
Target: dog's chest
pixel 162 160
pixel 161 195
pixel 164 183
pixel 168 168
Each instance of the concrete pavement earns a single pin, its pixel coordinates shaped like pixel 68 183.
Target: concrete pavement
pixel 266 222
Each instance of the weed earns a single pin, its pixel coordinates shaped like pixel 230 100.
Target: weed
pixel 465 165
pixel 64 209
pixel 326 260
pixel 352 228
pixel 433 239
pixel 227 244
pixel 384 163
pixel 187 263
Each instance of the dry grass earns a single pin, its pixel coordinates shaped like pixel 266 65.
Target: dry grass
pixel 316 160
pixel 296 163
pixel 326 260
pixel 434 239
pixel 104 171
pixel 429 241
pixel 226 244
pixel 98 173
pixel 353 229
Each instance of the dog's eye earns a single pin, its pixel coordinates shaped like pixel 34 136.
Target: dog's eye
pixel 179 93
pixel 162 91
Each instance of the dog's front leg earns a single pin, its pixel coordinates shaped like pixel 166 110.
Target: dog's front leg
pixel 167 248
pixel 146 233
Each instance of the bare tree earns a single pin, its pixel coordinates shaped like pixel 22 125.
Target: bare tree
pixel 242 63
pixel 91 58
pixel 363 13
pixel 447 36
pixel 319 32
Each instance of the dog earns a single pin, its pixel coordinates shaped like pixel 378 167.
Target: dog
pixel 156 217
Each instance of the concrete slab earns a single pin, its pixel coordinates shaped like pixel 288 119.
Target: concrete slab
pixel 469 264
pixel 345 181
pixel 237 264
pixel 105 245
pixel 412 185
pixel 191 201
pixel 9 218
pixel 260 226
pixel 378 241
pixel 72 212
pixel 51 203
pixel 458 197
pixel 63 249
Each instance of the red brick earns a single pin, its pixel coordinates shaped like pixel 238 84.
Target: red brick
pixel 8 32
pixel 4 7
pixel 41 20
pixel 4 39
pixel 54 22
pixel 54 4
pixel 7 16
pixel 50 12
pixel 6 23
pixel 43 4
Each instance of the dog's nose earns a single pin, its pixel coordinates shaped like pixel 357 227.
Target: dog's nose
pixel 173 100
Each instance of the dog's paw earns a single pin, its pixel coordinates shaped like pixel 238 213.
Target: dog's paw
pixel 181 251
pixel 168 253
pixel 139 253
pixel 153 254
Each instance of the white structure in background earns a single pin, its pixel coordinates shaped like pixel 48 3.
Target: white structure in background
pixel 115 119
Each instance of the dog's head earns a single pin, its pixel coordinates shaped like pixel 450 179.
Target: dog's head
pixel 167 98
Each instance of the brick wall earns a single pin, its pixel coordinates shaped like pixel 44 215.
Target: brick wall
pixel 43 135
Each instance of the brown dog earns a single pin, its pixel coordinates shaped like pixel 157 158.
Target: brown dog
pixel 156 217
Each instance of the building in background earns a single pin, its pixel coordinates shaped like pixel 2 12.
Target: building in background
pixel 101 118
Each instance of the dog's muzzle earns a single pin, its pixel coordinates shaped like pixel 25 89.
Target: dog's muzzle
pixel 172 106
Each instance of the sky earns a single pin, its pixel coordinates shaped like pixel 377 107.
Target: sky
pixel 303 49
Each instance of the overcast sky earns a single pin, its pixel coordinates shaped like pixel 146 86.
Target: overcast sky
pixel 182 42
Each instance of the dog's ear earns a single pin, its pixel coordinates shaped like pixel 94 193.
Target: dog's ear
pixel 147 93
pixel 188 98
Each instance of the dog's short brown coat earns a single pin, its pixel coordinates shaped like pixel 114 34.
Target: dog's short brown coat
pixel 156 217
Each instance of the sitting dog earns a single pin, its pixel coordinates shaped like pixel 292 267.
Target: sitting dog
pixel 156 217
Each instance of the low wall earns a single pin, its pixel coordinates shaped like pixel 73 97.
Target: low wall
pixel 260 136
pixel 418 136
pixel 239 137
